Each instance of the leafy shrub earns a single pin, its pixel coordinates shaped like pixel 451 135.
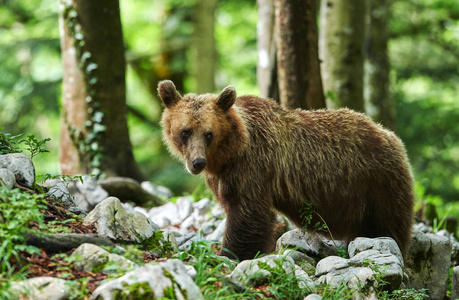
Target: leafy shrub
pixel 17 211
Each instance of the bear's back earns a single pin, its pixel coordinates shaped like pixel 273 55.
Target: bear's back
pixel 350 168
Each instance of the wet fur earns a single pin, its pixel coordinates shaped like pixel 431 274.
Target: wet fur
pixel 263 158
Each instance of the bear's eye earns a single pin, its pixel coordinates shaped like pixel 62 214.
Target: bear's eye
pixel 185 134
pixel 209 136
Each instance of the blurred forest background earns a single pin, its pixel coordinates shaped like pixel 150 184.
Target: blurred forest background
pixel 161 41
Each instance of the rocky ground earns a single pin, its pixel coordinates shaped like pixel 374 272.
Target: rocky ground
pixel 101 242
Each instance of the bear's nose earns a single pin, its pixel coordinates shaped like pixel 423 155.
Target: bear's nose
pixel 199 163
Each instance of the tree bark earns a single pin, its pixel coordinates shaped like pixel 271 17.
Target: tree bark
pixel 298 68
pixel 205 53
pixel 95 137
pixel 341 46
pixel 266 47
pixel 378 103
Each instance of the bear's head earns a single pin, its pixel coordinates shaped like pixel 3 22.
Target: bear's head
pixel 199 129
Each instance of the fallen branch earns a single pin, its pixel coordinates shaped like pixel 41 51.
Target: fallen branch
pixel 64 242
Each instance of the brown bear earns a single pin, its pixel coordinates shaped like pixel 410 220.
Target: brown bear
pixel 259 158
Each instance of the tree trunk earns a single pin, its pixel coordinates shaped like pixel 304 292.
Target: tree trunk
pixel 298 68
pixel 378 103
pixel 204 46
pixel 341 46
pixel 95 137
pixel 266 46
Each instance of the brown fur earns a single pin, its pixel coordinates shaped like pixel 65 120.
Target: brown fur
pixel 262 158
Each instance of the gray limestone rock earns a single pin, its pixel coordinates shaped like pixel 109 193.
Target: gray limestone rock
pixel 42 288
pixel 161 192
pixel 168 279
pixel 256 272
pixel 58 189
pixel 7 178
pixel 217 234
pixel 313 297
pixel 172 213
pixel 93 258
pixel 21 166
pixel 86 194
pixel 382 244
pixel 113 221
pixel 364 268
pixel 305 262
pixel 311 244
pixel 455 283
pixel 428 262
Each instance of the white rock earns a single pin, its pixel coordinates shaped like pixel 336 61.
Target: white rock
pixel 42 288
pixel 141 210
pixel 184 238
pixel 362 269
pixel 217 234
pixel 92 256
pixel 22 167
pixel 162 215
pixel 186 224
pixel 428 262
pixel 356 278
pixel 113 221
pixel 311 244
pixel 313 297
pixel 7 177
pixel 331 264
pixel 382 244
pixel 87 194
pixel 301 259
pixel 60 191
pixel 455 283
pixel 191 271
pixel 184 209
pixel 202 206
pixel 157 190
pixel 387 264
pixel 165 277
pixel 217 211
pixel 251 272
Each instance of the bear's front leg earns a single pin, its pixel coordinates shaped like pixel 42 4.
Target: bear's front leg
pixel 248 231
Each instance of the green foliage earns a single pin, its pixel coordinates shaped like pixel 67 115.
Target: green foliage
pixel 17 211
pixel 282 284
pixel 137 291
pixel 423 52
pixel 78 288
pixel 342 252
pixel 34 146
pixel 307 214
pixel 64 178
pixel 406 294
pixel 157 243
pixel 8 144
pixel 443 208
pixel 210 269
pixel 341 292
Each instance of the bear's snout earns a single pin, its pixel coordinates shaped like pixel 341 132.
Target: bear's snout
pixel 199 164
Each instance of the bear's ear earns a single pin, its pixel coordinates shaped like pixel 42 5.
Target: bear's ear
pixel 168 93
pixel 226 98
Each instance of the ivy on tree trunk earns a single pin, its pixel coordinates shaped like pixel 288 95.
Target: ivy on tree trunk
pixel 94 137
